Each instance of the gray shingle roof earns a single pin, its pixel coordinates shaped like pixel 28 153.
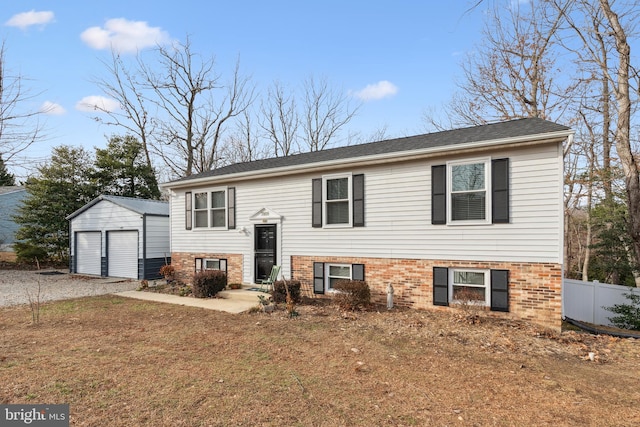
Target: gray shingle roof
pixel 495 131
pixel 141 206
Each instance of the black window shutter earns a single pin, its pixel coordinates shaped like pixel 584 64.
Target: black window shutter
pixel 357 271
pixel 231 206
pixel 440 286
pixel 188 217
pixel 500 290
pixel 318 278
pixel 316 202
pixel 358 200
pixel 439 194
pixel 500 191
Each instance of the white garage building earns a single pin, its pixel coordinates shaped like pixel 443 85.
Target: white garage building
pixel 120 237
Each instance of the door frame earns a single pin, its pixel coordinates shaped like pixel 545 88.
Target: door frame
pixel 273 253
pixel 264 216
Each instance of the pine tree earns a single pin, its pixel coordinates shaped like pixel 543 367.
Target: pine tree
pixel 62 186
pixel 121 170
pixel 5 177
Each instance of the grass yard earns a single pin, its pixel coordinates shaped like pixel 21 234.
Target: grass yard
pixel 121 362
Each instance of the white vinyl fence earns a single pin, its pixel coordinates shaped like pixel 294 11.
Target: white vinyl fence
pixel 585 301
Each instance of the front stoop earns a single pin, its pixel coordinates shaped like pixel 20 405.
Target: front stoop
pixel 243 294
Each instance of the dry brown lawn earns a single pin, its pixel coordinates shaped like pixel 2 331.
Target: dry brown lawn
pixel 121 362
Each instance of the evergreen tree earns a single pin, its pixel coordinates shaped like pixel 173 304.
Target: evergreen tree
pixel 61 187
pixel 613 260
pixel 122 170
pixel 5 177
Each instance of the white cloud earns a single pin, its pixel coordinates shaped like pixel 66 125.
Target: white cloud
pixel 382 89
pixel 124 36
pixel 27 19
pixel 51 108
pixel 97 103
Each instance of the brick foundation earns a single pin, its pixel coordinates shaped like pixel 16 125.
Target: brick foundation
pixel 535 289
pixel 184 263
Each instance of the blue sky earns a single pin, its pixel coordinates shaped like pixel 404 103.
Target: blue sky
pixel 398 57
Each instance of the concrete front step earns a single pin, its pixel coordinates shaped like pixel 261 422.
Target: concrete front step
pixel 244 294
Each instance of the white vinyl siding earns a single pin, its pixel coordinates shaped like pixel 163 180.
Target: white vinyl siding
pixel 157 237
pixel 398 216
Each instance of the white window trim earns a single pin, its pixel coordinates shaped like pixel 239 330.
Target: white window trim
pixel 327 269
pixel 210 209
pixel 326 178
pixel 204 263
pixel 487 285
pixel 487 189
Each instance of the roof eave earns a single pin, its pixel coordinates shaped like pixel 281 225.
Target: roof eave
pixel 521 141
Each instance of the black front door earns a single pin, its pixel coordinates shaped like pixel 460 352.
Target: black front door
pixel 265 250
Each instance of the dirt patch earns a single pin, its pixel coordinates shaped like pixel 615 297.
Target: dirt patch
pixel 123 362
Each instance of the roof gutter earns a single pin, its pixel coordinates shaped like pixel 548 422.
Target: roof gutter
pixel 424 153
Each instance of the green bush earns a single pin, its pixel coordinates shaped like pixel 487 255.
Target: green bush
pixel 27 252
pixel 352 294
pixel 279 293
pixel 628 315
pixel 208 283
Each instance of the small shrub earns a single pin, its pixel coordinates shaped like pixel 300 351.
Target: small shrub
pixel 144 284
pixel 279 293
pixel 208 283
pixel 167 271
pixel 628 315
pixel 352 294
pixel 235 285
pixel 185 291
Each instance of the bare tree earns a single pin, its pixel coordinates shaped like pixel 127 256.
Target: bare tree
pixel 603 50
pixel 513 72
pixel 623 126
pixel 280 120
pixel 20 126
pixel 326 112
pixel 132 116
pixel 243 143
pixel 178 106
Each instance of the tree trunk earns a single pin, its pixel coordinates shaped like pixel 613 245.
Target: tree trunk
pixel 623 130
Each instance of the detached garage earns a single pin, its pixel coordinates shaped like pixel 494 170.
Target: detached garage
pixel 120 237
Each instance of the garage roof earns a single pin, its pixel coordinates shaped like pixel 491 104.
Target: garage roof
pixel 141 206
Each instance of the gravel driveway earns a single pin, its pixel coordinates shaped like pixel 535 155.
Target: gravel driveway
pixel 17 286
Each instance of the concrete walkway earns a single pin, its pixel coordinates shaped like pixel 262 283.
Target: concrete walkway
pixel 231 301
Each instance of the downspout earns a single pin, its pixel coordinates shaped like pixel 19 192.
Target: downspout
pixel 565 151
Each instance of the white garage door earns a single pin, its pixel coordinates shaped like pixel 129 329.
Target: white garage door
pixel 123 254
pixel 88 252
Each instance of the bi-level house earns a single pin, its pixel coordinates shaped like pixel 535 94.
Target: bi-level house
pixel 472 214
